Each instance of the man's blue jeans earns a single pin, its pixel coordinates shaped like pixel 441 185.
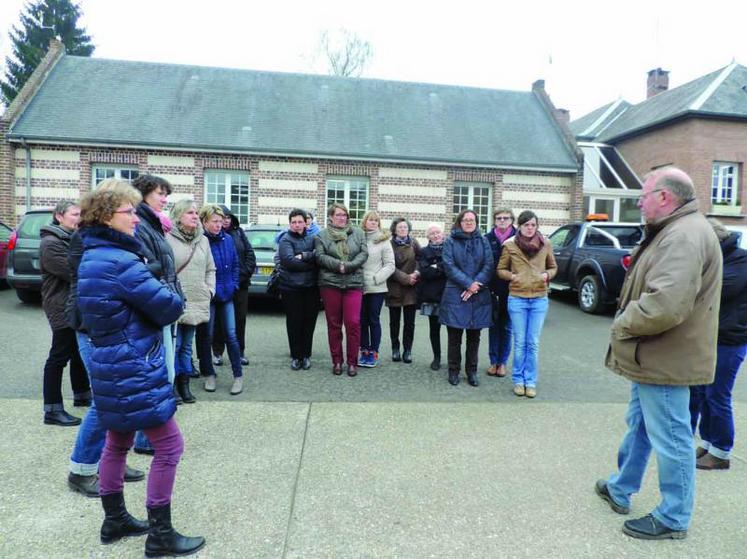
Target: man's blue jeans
pixel 712 403
pixel 185 333
pixel 224 313
pixel 658 417
pixel 527 317
pixel 91 434
pixel 499 340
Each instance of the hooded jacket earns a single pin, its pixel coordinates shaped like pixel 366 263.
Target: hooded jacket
pixel 667 321
pixel 197 278
pixel 467 259
pixel 123 309
pixel 244 252
pixel 732 320
pixel 380 263
pixel 226 266
pixel 528 282
pixel 55 241
pixel 329 263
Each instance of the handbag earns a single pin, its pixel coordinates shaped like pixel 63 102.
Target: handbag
pixel 273 282
pixel 429 309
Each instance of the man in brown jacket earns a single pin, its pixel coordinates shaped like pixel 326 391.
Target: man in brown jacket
pixel 663 340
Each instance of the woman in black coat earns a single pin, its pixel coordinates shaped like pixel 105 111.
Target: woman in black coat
pixel 298 288
pixel 431 287
pixel 55 242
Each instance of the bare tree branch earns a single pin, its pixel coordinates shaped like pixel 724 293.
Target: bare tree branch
pixel 347 54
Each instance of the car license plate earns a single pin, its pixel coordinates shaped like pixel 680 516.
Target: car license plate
pixel 265 270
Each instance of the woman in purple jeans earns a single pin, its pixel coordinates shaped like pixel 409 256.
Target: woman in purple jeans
pixel 124 309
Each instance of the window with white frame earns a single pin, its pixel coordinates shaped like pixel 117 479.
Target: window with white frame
pixel 475 196
pixel 102 172
pixel 229 188
pixel 352 192
pixel 724 184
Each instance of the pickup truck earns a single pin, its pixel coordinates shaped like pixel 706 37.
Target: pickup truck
pixel 592 257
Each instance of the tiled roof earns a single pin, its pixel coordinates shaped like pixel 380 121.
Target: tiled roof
pixel 720 93
pixel 110 102
pixel 589 126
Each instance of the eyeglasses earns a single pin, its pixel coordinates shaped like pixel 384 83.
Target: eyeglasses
pixel 129 212
pixel 642 196
pixel 503 218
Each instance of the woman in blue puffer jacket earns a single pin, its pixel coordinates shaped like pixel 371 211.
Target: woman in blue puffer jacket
pixel 124 308
pixel 226 283
pixel 466 303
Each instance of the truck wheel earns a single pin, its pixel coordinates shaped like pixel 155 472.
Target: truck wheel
pixel 590 295
pixel 28 296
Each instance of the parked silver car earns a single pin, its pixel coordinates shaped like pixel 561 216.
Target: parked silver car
pixel 263 240
pixel 24 273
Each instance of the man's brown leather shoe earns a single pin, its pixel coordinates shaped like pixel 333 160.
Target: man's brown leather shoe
pixel 710 462
pixel 491 371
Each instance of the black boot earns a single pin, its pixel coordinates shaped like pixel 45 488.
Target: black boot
pixel 436 363
pixel 118 523
pixel 396 355
pixel 164 540
pixel 453 377
pixel 472 378
pixel 177 396
pixel 407 356
pixel 182 387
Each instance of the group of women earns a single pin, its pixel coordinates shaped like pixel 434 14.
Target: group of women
pixel 132 289
pixel 465 281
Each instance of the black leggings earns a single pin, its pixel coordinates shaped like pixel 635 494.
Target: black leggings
pixel 408 332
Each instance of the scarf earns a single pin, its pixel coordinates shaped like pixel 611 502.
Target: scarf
pixel 165 222
pixel 530 246
pixel 188 236
pixel 506 235
pixel 402 242
pixel 437 248
pixel 339 235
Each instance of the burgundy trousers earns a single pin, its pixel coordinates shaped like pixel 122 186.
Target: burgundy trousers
pixel 343 307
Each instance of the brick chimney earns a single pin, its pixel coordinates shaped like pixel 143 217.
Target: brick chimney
pixel 563 115
pixel 658 81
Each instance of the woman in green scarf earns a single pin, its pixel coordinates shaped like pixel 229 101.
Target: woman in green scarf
pixel 341 251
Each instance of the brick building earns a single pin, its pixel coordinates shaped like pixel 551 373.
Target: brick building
pixel 264 142
pixel 700 126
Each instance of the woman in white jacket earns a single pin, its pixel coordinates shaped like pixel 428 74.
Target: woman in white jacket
pixel 376 270
pixel 195 269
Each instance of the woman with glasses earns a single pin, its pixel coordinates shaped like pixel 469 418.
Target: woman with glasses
pixel 124 309
pixel 341 251
pixel 499 335
pixel 465 304
pixel 528 264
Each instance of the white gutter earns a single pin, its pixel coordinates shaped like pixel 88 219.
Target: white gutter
pixel 612 108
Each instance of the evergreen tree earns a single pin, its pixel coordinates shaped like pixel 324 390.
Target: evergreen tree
pixel 41 20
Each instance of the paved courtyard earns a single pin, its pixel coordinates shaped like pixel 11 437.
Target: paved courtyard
pixel 393 463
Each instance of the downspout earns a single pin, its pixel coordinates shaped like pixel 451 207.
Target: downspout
pixel 28 173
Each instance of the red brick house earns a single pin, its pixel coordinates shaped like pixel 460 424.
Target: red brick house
pixel 265 142
pixel 700 126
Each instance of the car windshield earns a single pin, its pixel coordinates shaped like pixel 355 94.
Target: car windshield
pixel 262 239
pixel 32 224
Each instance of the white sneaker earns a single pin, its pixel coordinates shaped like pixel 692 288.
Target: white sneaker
pixel 238 386
pixel 210 383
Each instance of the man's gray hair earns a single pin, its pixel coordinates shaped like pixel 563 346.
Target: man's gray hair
pixel 675 181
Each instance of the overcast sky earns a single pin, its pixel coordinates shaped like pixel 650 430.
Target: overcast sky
pixel 588 52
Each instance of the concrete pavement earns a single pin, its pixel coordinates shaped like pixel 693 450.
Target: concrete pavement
pixel 393 463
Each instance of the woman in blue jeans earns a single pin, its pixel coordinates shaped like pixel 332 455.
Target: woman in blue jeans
pixel 226 283
pixel 712 404
pixel 196 272
pixel 528 264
